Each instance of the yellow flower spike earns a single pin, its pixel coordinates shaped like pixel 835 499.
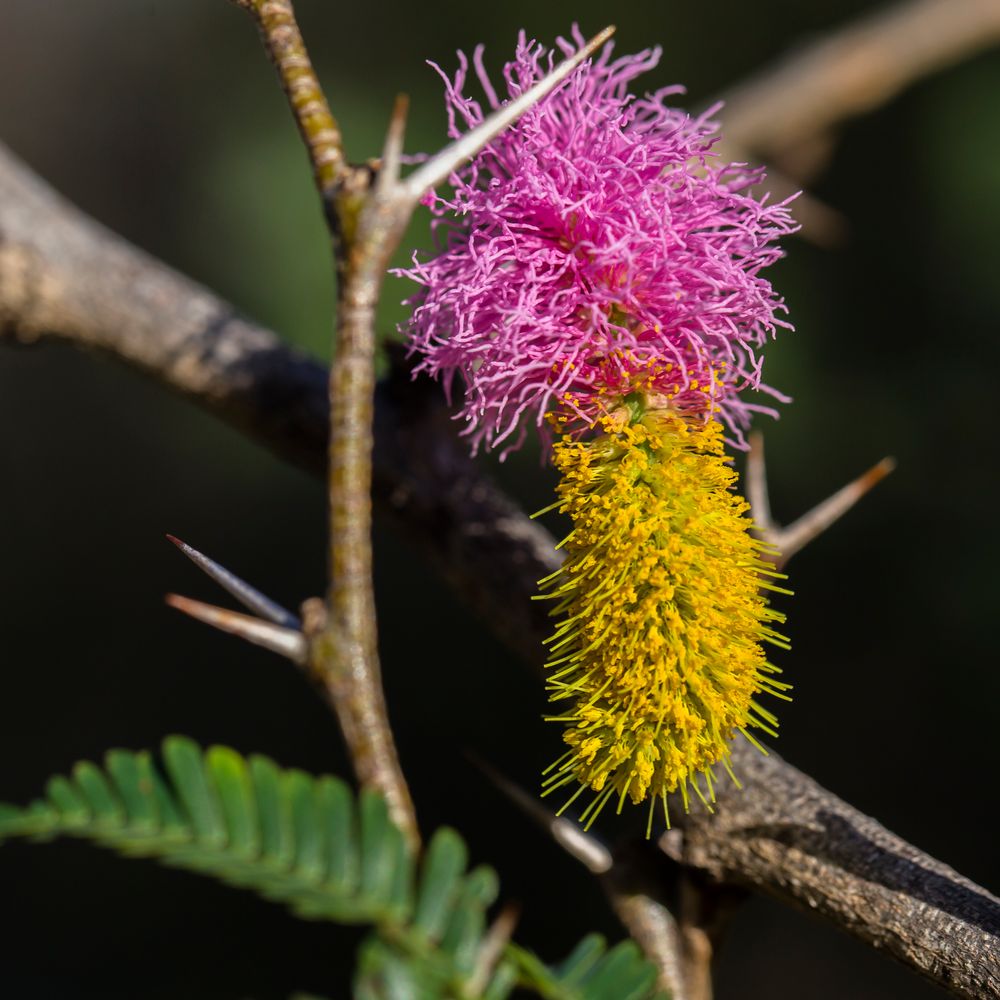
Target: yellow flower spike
pixel 659 649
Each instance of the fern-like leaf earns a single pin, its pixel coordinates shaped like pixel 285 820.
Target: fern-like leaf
pixel 291 837
pixel 308 843
pixel 591 972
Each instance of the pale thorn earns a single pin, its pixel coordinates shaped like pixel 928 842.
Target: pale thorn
pixel 438 168
pixel 492 948
pixel 247 595
pixel 585 847
pixel 283 641
pixel 392 151
pixel 799 533
pixel 756 473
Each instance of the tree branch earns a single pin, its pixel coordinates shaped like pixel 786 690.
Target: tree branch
pixel 786 114
pixel 785 835
pixel 853 70
pixel 64 277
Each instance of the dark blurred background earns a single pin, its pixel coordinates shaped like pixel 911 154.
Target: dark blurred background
pixel 163 119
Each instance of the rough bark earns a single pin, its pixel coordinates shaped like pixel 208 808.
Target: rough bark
pixel 785 835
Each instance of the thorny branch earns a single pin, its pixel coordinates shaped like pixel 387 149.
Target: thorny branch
pixel 342 639
pixel 367 211
pixel 63 276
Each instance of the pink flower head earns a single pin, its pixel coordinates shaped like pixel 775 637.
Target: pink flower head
pixel 593 239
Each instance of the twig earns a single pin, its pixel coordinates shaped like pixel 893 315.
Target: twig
pixel 854 70
pixel 786 114
pixel 66 278
pixel 283 42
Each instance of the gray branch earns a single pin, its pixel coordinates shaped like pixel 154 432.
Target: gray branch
pixel 788 837
pixel 64 277
pixel 853 70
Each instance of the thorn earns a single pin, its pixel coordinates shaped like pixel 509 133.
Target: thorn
pixel 798 534
pixel 283 641
pixel 585 847
pixel 248 596
pixel 392 151
pixel 492 949
pixel 440 166
pixel 756 473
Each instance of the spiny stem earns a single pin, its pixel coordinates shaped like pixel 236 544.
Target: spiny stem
pixel 371 219
pixel 366 221
pixel 348 644
pixel 342 642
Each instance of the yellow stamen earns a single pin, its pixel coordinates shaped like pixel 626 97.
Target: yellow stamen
pixel 662 612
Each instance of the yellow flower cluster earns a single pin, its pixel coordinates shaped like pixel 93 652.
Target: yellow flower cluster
pixel 658 654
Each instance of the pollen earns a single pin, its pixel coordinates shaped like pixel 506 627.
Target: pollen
pixel 659 655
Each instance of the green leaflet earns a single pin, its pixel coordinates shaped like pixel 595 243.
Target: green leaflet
pixel 311 844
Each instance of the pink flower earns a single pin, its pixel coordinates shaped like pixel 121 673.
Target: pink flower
pixel 595 238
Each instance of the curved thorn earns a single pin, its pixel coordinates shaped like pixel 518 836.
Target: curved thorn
pixel 247 595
